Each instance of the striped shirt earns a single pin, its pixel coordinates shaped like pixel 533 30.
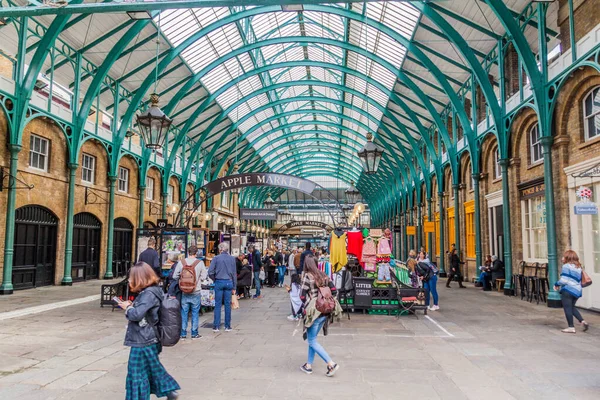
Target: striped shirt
pixel 570 280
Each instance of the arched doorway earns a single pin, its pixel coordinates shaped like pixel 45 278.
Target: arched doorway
pixel 122 244
pixel 149 225
pixel 86 247
pixel 35 247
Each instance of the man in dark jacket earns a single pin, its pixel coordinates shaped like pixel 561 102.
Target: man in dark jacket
pixel 497 269
pixel 150 257
pixel 256 261
pixel 307 251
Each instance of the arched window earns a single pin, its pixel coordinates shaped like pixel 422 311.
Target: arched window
pixel 591 114
pixel 535 144
pixel 497 169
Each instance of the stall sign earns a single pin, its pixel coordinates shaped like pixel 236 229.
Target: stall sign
pixel 429 227
pixel 363 292
pixel 585 206
pixel 397 228
pixel 259 214
pixel 411 230
pixel 259 179
pixel 533 191
pixel 161 223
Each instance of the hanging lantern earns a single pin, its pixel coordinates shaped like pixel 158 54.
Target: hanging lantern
pixel 235 172
pixel 253 228
pixel 370 156
pixel 236 223
pixel 207 216
pixel 153 125
pixel 269 202
pixel 352 193
pixel 172 209
pixel 359 208
pixel 229 222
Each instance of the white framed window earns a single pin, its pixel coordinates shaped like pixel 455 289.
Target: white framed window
pixel 225 200
pixel 535 242
pixel 123 180
pixel 535 144
pixel 591 114
pixel 149 188
pixel 39 151
pixel 497 169
pixel 170 192
pixel 88 168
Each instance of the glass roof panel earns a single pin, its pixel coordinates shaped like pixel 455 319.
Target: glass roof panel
pixel 179 25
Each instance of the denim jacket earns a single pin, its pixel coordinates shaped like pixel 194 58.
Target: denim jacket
pixel 143 317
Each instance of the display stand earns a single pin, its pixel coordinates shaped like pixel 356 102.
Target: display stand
pixel 172 245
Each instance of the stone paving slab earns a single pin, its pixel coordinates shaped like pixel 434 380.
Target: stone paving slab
pixel 479 346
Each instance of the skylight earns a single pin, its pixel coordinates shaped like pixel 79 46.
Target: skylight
pixel 322 105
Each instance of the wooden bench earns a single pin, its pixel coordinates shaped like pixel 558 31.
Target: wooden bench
pixel 500 284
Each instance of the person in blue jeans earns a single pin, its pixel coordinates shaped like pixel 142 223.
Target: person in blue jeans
pixel 431 284
pixel 255 260
pixel 191 301
pixel 223 273
pixel 280 268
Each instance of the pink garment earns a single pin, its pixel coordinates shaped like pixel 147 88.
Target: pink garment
pixel 383 248
pixel 369 255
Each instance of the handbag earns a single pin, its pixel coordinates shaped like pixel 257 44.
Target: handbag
pixel 261 275
pixel 235 303
pixel 585 279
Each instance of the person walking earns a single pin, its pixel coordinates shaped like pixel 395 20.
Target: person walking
pixel 279 261
pixel 223 274
pixel 269 267
pixel 307 252
pixel 190 272
pixel 256 261
pixel 569 286
pixel 291 264
pixel 455 269
pixel 430 280
pixel 150 257
pixel 244 279
pixel 145 373
pixel 312 280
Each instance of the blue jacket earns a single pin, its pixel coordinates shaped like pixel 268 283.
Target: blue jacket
pixel 222 267
pixel 150 257
pixel 570 280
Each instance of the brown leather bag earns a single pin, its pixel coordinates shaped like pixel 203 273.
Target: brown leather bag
pixel 585 279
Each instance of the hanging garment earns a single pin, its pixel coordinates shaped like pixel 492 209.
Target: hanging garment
pixel 355 244
pixel 369 255
pixel 383 272
pixel 337 250
pixel 383 247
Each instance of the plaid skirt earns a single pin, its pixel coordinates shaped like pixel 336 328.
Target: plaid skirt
pixel 146 375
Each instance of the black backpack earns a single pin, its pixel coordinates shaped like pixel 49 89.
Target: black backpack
pixel 424 270
pixel 169 321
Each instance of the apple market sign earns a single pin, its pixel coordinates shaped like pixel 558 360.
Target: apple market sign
pixel 239 181
pixel 584 206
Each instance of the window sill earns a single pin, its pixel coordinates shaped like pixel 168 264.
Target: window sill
pixel 588 143
pixel 496 180
pixel 536 164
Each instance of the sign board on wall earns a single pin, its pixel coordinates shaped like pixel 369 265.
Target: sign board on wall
pixel 411 230
pixel 161 223
pixel 587 208
pixel 429 227
pixel 259 214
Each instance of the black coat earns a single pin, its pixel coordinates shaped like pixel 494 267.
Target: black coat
pixel 244 278
pixel 145 307
pixel 150 257
pixel 455 262
pixel 256 260
pixel 268 264
pixel 497 270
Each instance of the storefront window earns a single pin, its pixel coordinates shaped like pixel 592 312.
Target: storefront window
pixel 591 114
pixel 534 228
pixel 536 145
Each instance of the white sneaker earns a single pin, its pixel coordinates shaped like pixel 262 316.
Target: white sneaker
pixel 291 318
pixel 568 330
pixel 434 308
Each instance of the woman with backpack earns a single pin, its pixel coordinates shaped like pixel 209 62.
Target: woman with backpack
pixel 145 373
pixel 313 282
pixel 430 277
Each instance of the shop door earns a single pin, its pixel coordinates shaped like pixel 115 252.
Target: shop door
pixel 35 247
pixel 496 227
pixel 86 247
pixel 122 245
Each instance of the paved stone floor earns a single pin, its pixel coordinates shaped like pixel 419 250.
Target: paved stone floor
pixel 479 346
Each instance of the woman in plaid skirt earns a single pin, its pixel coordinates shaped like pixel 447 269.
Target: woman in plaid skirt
pixel 145 374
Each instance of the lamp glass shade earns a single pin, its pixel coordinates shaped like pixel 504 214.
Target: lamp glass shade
pixel 370 156
pixel 269 202
pixel 207 216
pixel 352 194
pixel 153 125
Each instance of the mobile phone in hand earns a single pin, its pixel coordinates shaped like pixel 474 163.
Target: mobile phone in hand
pixel 117 300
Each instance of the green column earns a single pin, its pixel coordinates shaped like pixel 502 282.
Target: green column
pixel 405 236
pixel 141 215
pixel 67 279
pixel 429 235
pixel 508 289
pixel 456 220
pixel 165 197
pixel 412 223
pixel 441 228
pixel 419 227
pixel 9 239
pixel 553 296
pixel 111 222
pixel 477 217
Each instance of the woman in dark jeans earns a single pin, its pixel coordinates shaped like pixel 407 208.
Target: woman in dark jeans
pixel 145 373
pixel 269 266
pixel 569 286
pixel 454 269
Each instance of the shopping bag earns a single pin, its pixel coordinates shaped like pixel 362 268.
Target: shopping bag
pixel 235 303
